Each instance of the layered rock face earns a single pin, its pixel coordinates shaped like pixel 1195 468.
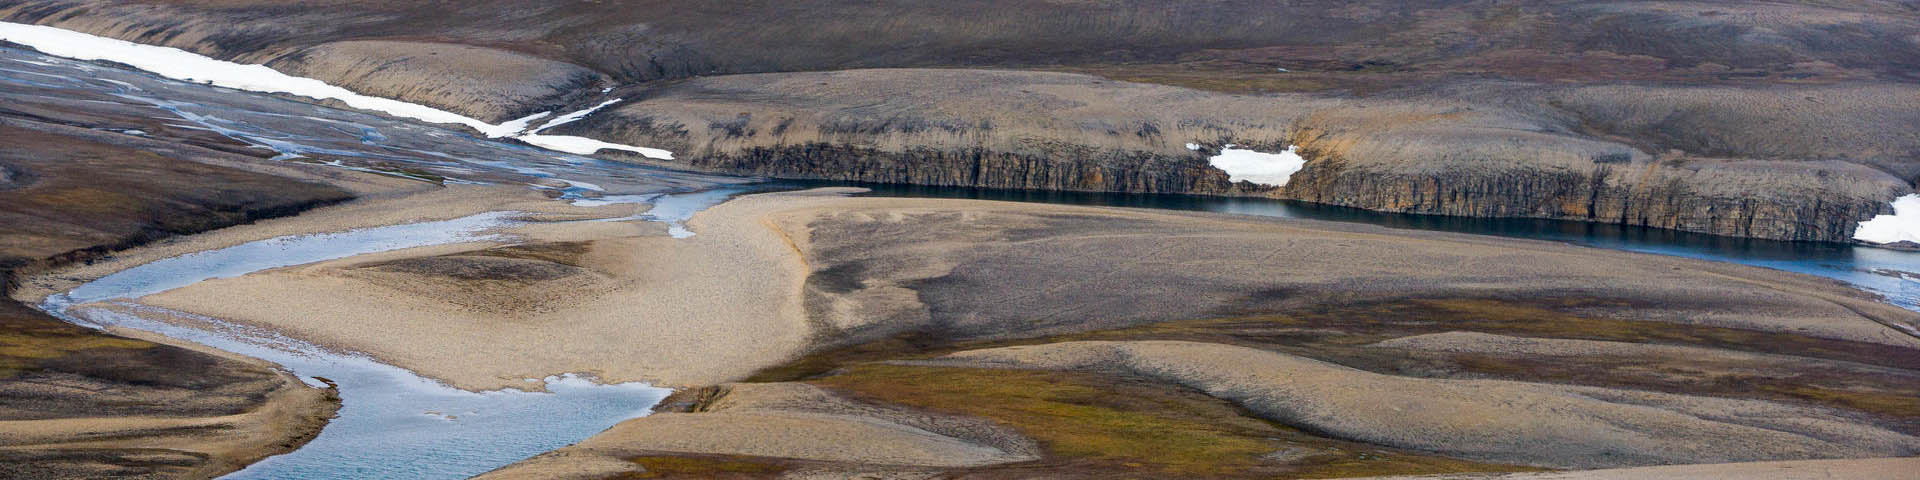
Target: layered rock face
pixel 1819 205
pixel 1720 161
pixel 1111 171
pixel 1783 164
pixel 984 128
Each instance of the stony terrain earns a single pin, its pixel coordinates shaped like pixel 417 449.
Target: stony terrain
pixel 1780 120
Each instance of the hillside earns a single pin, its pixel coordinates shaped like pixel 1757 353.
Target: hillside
pixel 1781 120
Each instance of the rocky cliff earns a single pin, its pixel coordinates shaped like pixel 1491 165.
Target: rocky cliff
pixel 1777 163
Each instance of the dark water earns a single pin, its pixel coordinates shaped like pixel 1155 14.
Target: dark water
pixel 1852 264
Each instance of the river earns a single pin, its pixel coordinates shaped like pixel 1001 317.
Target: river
pixel 394 423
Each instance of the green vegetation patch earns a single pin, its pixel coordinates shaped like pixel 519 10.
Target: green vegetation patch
pixel 1552 319
pixel 22 345
pixel 1121 424
pixel 702 466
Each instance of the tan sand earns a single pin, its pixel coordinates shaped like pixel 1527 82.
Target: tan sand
pixel 789 421
pixel 769 277
pixel 646 307
pixel 738 297
pixel 973 269
pixel 1516 422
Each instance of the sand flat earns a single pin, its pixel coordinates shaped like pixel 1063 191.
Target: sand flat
pixel 760 284
pixel 648 307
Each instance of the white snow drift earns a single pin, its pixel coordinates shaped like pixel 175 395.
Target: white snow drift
pixel 572 117
pixel 1271 169
pixel 1902 225
pixel 183 65
pixel 587 146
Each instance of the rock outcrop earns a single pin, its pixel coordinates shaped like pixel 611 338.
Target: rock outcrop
pixel 1612 155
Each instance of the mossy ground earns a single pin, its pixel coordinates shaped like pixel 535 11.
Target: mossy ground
pixel 710 466
pixel 1341 334
pixel 21 349
pixel 1122 426
pixel 1132 427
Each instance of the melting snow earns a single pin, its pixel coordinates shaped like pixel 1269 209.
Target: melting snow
pixel 180 64
pixel 587 146
pixel 1902 225
pixel 571 117
pixel 1271 169
pixel 520 124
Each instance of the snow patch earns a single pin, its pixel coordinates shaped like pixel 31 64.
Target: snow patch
pixel 183 65
pixel 1902 225
pixel 571 117
pixel 588 146
pixel 1193 147
pixel 520 124
pixel 613 200
pixel 1270 169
